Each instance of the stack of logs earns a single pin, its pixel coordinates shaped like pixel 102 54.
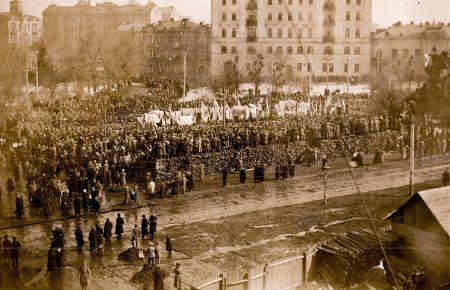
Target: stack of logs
pixel 347 259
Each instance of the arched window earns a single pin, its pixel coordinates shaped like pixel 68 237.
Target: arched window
pixel 328 50
pixel 300 50
pixel 269 50
pixel 280 33
pixel 202 54
pixel 251 50
pixel 269 33
pixel 289 50
pixel 357 50
pixel 300 33
pixel 357 33
pixel 233 32
pixel 279 50
pixel 290 32
pixel 347 50
pixel 347 33
pixel 309 50
pixel 224 32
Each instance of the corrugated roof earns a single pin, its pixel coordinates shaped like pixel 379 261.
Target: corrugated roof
pixel 438 201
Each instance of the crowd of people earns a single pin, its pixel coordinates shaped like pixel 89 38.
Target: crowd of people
pixel 71 151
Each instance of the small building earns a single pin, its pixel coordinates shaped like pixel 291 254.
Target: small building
pixel 17 27
pixel 423 223
pixel 166 45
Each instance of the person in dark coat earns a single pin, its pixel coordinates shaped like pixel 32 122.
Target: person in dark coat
pixel 6 248
pixel 99 232
pixel 169 246
pixel 158 278
pixel 119 226
pixel 277 172
pixel 242 175
pixel 291 169
pixel 96 206
pixel 224 177
pixel 77 205
pixel 144 227
pixel 15 253
pixel 19 207
pixel 52 260
pixel 153 224
pixel 92 240
pixel 79 238
pixel 107 230
pixel 445 177
pixel 85 200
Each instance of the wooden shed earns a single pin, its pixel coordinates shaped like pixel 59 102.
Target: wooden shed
pixel 423 223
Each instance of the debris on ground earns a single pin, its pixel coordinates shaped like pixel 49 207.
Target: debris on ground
pixel 131 255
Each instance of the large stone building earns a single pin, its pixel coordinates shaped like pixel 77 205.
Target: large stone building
pixel 166 44
pixel 18 28
pixel 68 27
pixel 398 52
pixel 324 38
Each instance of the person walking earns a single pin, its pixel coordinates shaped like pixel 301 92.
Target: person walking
pixel 6 249
pixel 134 237
pixel 157 253
pixel 15 253
pixel 77 205
pixel 169 246
pixel 119 226
pixel 107 230
pixel 19 207
pixel 144 227
pixel 153 225
pixel 177 277
pixel 151 256
pixel 92 240
pixel 99 235
pixel 84 274
pixel 79 238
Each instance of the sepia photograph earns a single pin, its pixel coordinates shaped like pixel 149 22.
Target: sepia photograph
pixel 224 144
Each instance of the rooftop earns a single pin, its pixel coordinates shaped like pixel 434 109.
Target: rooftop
pixel 412 30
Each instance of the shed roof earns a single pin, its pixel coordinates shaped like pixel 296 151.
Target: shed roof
pixel 438 202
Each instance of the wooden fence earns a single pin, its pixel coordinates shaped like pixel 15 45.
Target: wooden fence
pixel 278 275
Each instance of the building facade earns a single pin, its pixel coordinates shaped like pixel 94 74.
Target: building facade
pixel 167 43
pixel 398 53
pixel 18 28
pixel 67 27
pixel 322 38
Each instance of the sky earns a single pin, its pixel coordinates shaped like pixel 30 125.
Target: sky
pixel 385 12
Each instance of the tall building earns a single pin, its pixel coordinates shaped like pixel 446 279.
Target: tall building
pixel 67 27
pixel 168 42
pixel 18 28
pixel 318 37
pixel 399 51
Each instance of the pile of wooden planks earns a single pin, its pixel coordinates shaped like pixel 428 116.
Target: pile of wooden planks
pixel 347 259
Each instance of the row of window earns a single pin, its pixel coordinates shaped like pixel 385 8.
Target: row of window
pixel 176 55
pixel 290 33
pixel 406 53
pixel 201 70
pixel 290 50
pixel 290 17
pixel 326 67
pixel 290 2
pixel 174 40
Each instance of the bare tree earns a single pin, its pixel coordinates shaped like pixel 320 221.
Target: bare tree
pixel 12 71
pixel 255 73
pixel 277 73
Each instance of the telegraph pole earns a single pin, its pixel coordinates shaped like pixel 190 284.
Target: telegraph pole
pixel 411 157
pixel 184 75
pixel 348 74
pixel 37 76
pixel 224 102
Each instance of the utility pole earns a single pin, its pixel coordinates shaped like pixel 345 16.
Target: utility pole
pixel 411 158
pixel 325 188
pixel 26 80
pixel 310 76
pixel 37 76
pixel 348 75
pixel 225 91
pixel 184 75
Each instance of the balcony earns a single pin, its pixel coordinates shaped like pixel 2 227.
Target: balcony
pixel 328 38
pixel 252 5
pixel 329 22
pixel 251 38
pixel 329 6
pixel 251 22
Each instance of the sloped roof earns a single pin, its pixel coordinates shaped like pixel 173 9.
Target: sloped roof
pixel 438 202
pixel 412 30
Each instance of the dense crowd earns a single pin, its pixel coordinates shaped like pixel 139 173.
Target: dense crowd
pixel 69 150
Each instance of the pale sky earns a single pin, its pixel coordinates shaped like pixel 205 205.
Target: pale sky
pixel 385 12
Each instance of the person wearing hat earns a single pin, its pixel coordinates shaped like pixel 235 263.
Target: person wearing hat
pixel 119 226
pixel 107 230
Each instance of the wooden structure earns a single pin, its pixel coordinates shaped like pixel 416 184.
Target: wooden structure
pixel 423 223
pixel 286 274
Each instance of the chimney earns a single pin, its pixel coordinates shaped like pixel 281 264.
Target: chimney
pixel 427 23
pixel 412 23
